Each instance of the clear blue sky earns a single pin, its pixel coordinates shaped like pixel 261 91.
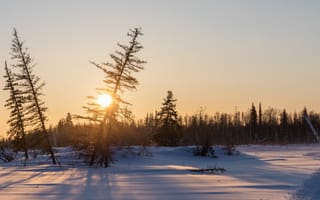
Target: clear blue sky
pixel 215 54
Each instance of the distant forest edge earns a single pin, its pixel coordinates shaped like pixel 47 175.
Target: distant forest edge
pixel 106 126
pixel 265 126
pixel 255 126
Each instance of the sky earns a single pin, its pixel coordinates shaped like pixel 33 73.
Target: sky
pixel 220 55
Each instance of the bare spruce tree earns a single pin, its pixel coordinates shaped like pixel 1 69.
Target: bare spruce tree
pixel 15 104
pixel 31 86
pixel 118 78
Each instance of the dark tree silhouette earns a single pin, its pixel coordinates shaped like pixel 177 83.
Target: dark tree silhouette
pixel 202 127
pixel 284 127
pixel 168 133
pixel 253 123
pixel 260 124
pixel 305 130
pixel 118 79
pixel 31 87
pixel 260 116
pixel 63 134
pixel 15 104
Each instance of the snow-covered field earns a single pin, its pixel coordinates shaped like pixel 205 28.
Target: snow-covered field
pixel 258 172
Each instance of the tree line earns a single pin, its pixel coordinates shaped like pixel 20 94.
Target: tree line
pixel 166 128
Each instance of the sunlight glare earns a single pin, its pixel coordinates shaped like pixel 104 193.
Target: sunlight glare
pixel 104 100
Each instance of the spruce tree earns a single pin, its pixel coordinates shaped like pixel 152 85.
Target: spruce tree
pixel 305 131
pixel 15 104
pixel 260 115
pixel 284 126
pixel 260 126
pixel 118 79
pixel 168 133
pixel 253 123
pixel 31 87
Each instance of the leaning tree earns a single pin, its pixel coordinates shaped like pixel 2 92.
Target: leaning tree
pixel 118 79
pixel 15 104
pixel 31 87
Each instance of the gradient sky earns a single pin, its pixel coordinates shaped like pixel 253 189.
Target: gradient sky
pixel 215 54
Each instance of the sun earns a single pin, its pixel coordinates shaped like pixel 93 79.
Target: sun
pixel 104 100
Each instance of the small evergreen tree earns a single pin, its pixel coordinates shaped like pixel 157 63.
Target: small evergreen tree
pixel 15 104
pixel 168 133
pixel 31 87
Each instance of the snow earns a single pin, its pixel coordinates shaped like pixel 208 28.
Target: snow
pixel 257 172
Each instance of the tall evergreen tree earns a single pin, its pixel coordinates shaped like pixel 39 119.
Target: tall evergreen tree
pixel 284 126
pixel 253 123
pixel 15 104
pixel 168 133
pixel 260 115
pixel 31 87
pixel 305 130
pixel 118 79
pixel 260 127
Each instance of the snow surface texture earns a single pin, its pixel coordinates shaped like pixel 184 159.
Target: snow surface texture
pixel 258 172
pixel 310 190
